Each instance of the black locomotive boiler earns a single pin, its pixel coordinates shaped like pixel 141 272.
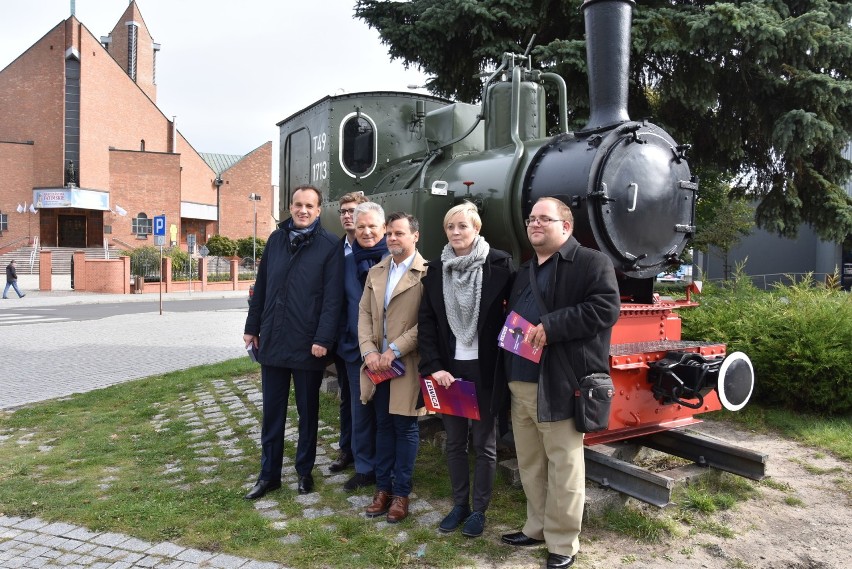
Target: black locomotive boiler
pixel 628 184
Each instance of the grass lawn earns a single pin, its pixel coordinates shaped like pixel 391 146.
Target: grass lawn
pixel 168 458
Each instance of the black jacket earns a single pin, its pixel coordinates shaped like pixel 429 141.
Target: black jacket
pixel 435 338
pixel 583 304
pixel 11 273
pixel 298 299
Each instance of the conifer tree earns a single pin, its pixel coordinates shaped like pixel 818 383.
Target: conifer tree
pixel 762 89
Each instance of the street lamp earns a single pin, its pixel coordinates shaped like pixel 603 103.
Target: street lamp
pixel 254 198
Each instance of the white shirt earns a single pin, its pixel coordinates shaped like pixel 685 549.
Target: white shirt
pixel 347 247
pixel 395 273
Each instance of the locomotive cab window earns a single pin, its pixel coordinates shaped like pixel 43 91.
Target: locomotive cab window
pixel 358 145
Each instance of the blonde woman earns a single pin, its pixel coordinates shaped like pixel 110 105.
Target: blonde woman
pixel 460 317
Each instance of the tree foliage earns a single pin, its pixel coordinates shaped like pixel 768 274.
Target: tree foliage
pixel 760 88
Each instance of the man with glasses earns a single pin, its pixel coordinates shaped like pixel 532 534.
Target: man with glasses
pixel 571 294
pixel 346 458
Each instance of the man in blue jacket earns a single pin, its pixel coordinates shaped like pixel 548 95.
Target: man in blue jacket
pixel 293 322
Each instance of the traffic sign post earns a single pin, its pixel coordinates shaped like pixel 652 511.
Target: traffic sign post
pixel 160 239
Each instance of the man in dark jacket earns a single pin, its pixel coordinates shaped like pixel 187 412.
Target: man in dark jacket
pixel 293 322
pixel 574 311
pixel 12 280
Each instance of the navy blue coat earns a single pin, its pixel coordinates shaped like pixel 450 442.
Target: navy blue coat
pixel 297 299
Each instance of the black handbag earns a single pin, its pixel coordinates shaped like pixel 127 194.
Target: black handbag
pixel 594 392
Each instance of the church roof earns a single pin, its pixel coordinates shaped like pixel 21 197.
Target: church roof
pixel 220 162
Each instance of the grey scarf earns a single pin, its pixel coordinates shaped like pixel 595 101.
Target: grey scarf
pixel 462 280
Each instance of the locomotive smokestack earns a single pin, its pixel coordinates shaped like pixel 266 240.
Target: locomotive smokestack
pixel 608 60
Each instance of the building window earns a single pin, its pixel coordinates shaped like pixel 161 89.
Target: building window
pixel 132 32
pixel 4 222
pixel 141 226
pixel 358 145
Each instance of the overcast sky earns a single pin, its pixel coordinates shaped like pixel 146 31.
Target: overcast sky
pixel 230 69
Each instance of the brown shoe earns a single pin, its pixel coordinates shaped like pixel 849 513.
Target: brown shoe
pixel 398 509
pixel 379 507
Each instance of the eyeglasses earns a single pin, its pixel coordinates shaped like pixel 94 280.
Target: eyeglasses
pixel 350 211
pixel 543 220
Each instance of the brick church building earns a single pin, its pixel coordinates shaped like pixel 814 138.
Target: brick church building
pixel 87 158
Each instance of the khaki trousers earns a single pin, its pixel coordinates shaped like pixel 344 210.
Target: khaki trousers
pixel 553 472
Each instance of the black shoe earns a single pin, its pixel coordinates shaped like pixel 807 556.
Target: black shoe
pixel 343 460
pixel 556 561
pixel 261 488
pixel 454 519
pixel 306 484
pixel 360 481
pixel 474 525
pixel 520 539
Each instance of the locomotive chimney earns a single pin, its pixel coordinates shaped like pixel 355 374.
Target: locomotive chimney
pixel 608 60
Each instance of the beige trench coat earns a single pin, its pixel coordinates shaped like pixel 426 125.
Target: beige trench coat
pixel 401 331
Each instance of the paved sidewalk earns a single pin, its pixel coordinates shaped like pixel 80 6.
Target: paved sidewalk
pixel 34 543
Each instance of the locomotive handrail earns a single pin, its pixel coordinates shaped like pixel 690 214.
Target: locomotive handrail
pixel 563 98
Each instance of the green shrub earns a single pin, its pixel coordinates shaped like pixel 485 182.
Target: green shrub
pixel 221 246
pixel 144 261
pixel 798 338
pixel 245 249
pixel 180 262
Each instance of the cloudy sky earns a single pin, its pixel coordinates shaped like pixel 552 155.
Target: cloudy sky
pixel 230 69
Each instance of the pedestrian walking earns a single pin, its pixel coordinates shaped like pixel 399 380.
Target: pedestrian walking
pixel 12 281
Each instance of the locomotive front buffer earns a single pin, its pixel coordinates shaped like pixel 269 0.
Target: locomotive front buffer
pixel 661 384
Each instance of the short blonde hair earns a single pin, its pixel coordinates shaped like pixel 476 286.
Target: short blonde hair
pixel 468 210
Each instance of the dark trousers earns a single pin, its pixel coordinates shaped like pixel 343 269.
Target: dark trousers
pixel 343 382
pixel 276 394
pixel 483 434
pixel 363 423
pixel 397 443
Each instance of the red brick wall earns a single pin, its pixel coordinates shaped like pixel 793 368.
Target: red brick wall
pixel 16 169
pixel 32 95
pixel 115 113
pixel 252 174
pixel 197 177
pixel 144 182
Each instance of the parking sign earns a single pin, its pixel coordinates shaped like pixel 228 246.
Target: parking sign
pixel 159 225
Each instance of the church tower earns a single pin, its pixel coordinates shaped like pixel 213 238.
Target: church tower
pixel 131 45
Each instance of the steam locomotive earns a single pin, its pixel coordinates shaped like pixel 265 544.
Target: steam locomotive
pixel 627 182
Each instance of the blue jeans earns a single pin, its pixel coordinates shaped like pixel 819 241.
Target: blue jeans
pixel 397 443
pixel 363 423
pixel 276 393
pixel 14 285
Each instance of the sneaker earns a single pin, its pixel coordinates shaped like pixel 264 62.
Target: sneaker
pixel 360 481
pixel 475 525
pixel 23 295
pixel 454 519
